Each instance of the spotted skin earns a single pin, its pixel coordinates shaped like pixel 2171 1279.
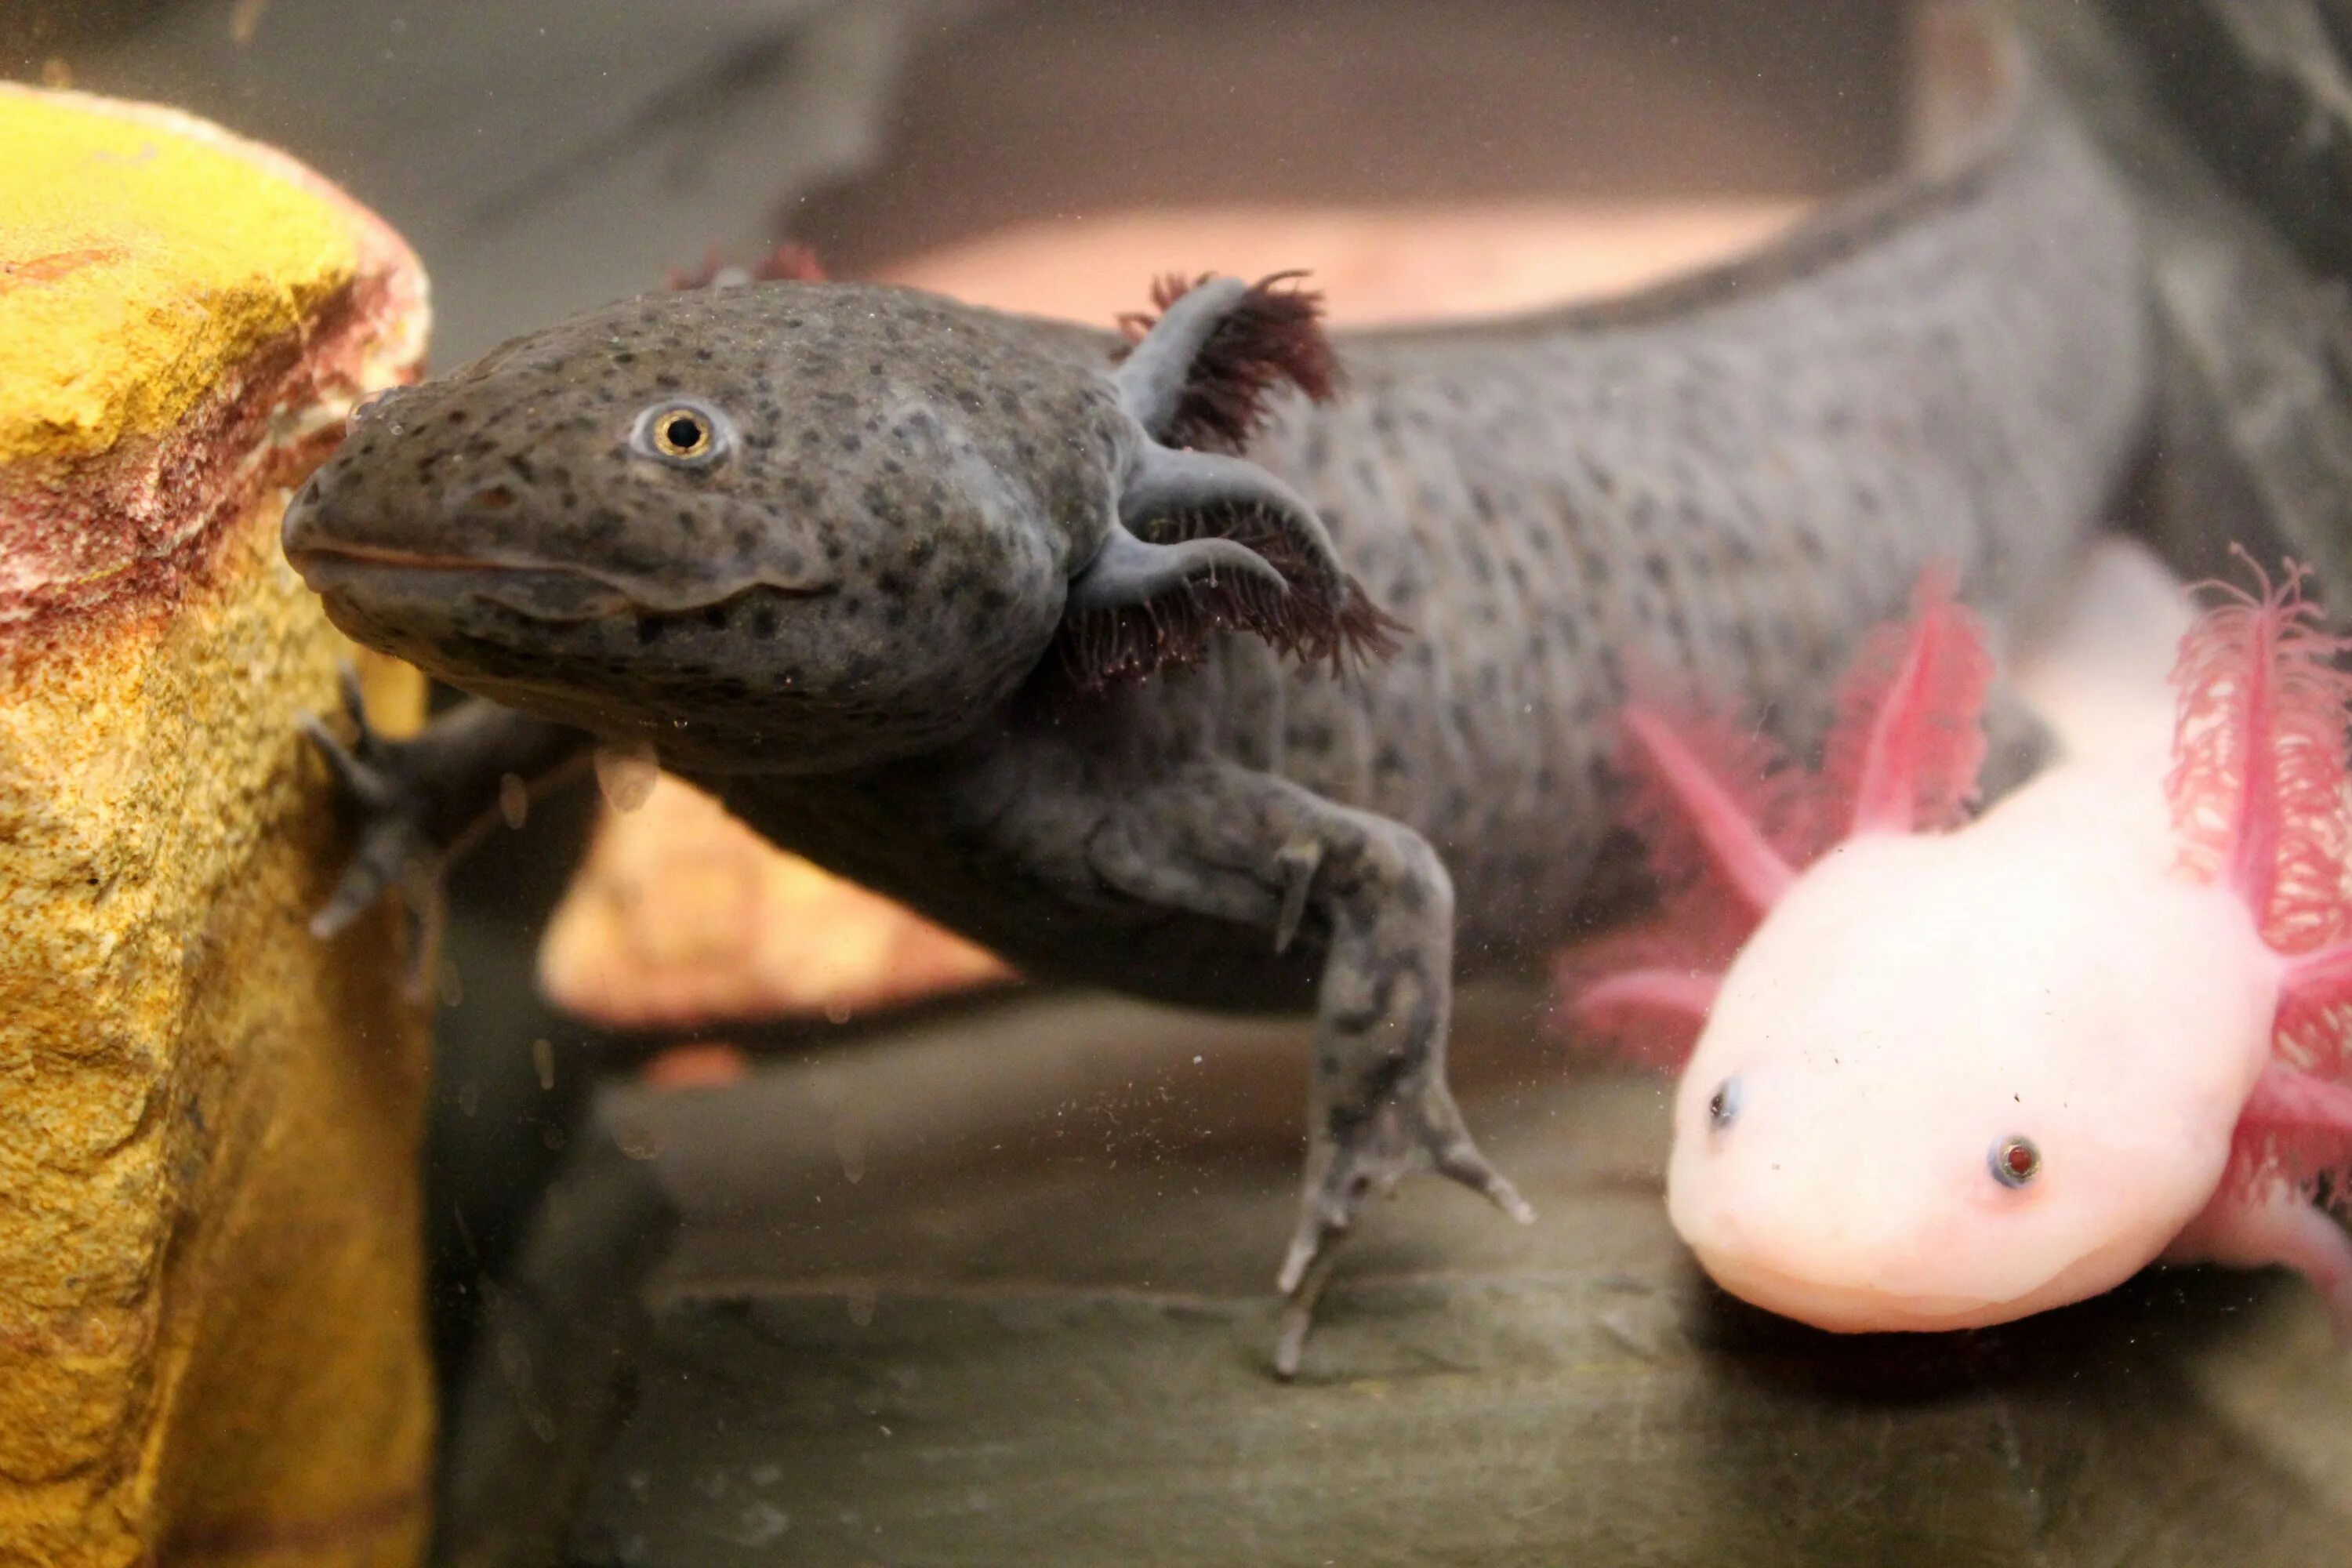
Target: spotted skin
pixel 756 596
pixel 847 625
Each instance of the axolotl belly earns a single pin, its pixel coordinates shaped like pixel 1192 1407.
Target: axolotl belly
pixel 991 614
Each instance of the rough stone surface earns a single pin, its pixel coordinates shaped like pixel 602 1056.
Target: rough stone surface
pixel 210 1337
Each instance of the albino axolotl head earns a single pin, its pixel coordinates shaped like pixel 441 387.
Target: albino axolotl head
pixel 1943 1073
pixel 1940 1086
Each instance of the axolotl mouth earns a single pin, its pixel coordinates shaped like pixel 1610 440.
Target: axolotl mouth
pixel 1865 1300
pixel 539 590
pixel 735 662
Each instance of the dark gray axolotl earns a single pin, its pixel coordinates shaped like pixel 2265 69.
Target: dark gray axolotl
pixel 990 614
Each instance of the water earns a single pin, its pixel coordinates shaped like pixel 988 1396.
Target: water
pixel 984 1281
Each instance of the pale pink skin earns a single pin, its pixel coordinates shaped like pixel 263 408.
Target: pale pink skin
pixel 1912 1001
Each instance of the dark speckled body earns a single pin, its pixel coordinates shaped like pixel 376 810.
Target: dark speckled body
pixel 814 542
pixel 1735 476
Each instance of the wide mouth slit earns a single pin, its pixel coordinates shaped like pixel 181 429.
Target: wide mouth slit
pixel 544 592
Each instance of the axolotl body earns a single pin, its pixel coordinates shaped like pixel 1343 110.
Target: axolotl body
pixel 992 614
pixel 1953 1078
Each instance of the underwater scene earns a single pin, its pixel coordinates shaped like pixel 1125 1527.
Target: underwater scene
pixel 967 783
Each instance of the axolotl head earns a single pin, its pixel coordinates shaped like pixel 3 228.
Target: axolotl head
pixel 1956 1071
pixel 1954 1080
pixel 805 526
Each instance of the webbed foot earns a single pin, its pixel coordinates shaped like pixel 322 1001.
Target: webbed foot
pixel 420 801
pixel 1371 899
pixel 1380 1105
pixel 1351 1158
pixel 396 848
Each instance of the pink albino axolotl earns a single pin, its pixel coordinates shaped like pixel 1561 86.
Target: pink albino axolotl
pixel 1940 1073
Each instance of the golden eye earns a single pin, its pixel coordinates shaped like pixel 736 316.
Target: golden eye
pixel 682 433
pixel 2015 1162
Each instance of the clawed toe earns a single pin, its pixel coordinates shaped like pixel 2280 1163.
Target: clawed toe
pixel 1462 1163
pixel 1298 1314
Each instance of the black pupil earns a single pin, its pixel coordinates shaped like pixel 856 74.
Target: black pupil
pixel 683 431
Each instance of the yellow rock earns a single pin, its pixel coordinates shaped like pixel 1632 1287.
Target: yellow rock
pixel 211 1345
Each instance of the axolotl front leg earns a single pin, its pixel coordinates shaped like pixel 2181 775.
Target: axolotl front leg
pixel 2271 1218
pixel 1224 841
pixel 2279 1225
pixel 423 801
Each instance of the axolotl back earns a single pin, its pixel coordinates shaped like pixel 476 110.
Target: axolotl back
pixel 1958 1074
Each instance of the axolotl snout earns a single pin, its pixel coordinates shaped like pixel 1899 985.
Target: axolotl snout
pixel 1955 1077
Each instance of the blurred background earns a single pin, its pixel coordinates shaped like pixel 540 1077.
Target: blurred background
pixel 547 154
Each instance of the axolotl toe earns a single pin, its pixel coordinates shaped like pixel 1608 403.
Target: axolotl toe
pixel 1959 1074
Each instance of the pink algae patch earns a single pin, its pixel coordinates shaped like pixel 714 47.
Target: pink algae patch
pixel 56 264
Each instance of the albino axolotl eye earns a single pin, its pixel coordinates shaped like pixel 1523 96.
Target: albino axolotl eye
pixel 1723 1105
pixel 2015 1162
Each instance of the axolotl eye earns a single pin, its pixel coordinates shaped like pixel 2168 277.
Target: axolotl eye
pixel 1723 1105
pixel 2015 1162
pixel 682 433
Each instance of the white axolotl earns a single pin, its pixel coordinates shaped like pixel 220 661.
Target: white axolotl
pixel 1942 1073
